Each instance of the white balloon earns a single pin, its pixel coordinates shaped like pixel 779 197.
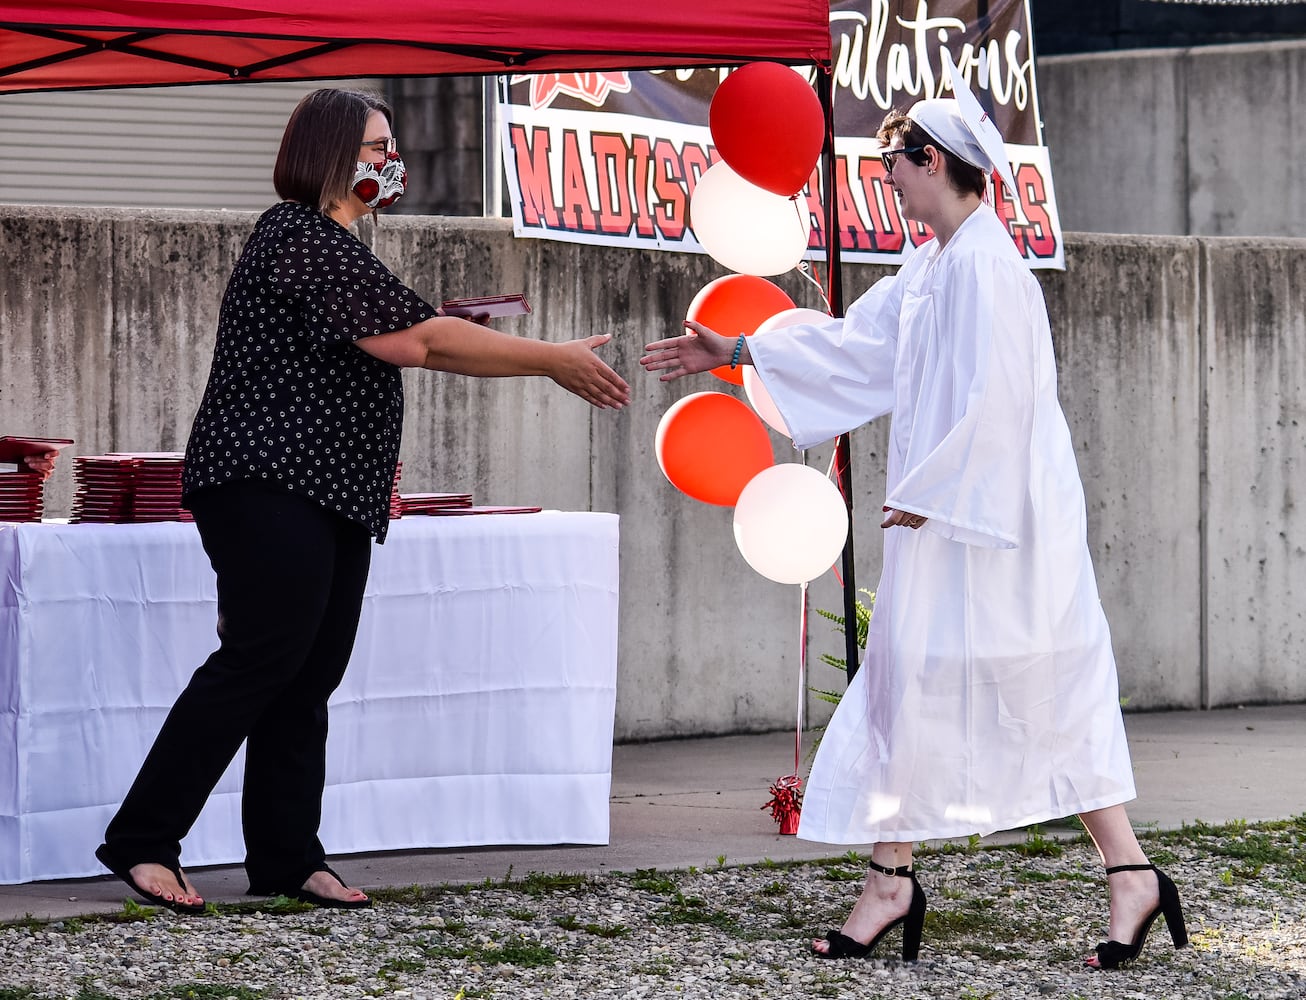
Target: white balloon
pixel 758 397
pixel 793 317
pixel 761 401
pixel 790 523
pixel 746 228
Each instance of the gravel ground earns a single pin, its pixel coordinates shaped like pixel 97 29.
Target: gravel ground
pixel 1003 923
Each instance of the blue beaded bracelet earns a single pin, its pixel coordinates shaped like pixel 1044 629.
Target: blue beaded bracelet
pixel 739 349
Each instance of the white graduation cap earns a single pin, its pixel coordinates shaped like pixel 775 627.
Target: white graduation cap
pixel 963 127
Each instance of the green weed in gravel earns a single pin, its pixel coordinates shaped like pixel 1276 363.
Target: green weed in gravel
pixel 606 930
pixel 1036 845
pixel 514 951
pixel 651 880
pixel 568 922
pixel 207 991
pixel 836 874
pixel 539 883
pixel 971 845
pixel 400 966
pixel 520 952
pixel 684 909
pixel 411 895
pixel 272 905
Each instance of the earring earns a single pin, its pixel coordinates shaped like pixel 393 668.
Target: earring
pixel 930 171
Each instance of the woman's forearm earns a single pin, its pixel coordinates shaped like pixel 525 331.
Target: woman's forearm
pixel 465 348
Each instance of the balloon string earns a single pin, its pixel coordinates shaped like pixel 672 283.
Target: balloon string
pixel 835 472
pixel 802 676
pixel 807 269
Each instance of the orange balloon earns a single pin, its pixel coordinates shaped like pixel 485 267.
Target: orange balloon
pixel 735 304
pixel 710 445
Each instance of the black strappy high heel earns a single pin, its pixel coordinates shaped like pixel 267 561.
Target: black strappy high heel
pixel 1112 954
pixel 913 922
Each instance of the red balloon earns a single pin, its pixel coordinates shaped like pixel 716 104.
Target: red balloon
pixel 735 304
pixel 710 445
pixel 767 123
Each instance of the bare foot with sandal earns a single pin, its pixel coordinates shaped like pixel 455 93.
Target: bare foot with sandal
pixel 157 884
pixel 329 889
pixel 162 881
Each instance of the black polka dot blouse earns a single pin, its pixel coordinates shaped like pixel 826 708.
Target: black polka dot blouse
pixel 289 399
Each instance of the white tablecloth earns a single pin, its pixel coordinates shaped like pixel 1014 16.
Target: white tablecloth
pixel 477 708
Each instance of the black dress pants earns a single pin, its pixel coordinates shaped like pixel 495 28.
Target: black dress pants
pixel 290 589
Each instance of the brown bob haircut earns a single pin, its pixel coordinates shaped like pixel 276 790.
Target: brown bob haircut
pixel 962 176
pixel 319 149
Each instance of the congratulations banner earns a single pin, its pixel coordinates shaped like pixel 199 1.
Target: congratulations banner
pixel 613 158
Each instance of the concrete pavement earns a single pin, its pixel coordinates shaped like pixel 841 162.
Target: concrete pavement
pixel 689 802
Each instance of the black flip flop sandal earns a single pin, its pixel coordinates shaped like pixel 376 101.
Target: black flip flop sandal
pixel 123 871
pixel 306 896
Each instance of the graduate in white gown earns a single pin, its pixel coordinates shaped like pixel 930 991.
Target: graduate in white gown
pixel 988 696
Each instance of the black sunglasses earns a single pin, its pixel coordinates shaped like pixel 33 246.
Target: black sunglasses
pixel 889 155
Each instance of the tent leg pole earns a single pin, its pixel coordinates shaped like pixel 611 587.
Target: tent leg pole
pixel 842 446
pixel 492 149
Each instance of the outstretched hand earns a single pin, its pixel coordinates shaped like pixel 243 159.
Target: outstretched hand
pixel 700 350
pixel 581 371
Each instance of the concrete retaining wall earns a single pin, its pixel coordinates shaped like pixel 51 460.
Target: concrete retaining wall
pixel 1207 141
pixel 1183 366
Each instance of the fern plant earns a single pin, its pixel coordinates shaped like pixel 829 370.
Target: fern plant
pixel 864 611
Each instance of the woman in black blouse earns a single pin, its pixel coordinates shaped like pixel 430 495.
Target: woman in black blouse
pixel 288 472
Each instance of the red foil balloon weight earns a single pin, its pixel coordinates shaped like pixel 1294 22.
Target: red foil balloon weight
pixel 767 124
pixel 709 445
pixel 735 304
pixel 786 803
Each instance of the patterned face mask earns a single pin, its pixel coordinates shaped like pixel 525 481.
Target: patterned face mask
pixel 380 184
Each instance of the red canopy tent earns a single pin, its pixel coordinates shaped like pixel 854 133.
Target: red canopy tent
pixel 139 43
pixel 69 45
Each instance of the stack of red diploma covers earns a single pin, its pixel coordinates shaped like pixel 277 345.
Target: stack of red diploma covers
pixel 396 504
pixel 434 503
pixel 441 504
pixel 156 492
pixel 127 488
pixel 456 511
pixel 453 505
pixel 22 496
pixel 22 493
pixel 102 489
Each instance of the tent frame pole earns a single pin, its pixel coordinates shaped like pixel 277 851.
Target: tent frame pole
pixel 842 444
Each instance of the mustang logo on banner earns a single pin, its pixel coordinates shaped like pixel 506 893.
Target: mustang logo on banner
pixel 613 158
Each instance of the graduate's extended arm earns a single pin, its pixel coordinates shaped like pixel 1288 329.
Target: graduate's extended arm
pixel 700 350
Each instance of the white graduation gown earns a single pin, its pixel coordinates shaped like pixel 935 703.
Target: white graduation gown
pixel 988 696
